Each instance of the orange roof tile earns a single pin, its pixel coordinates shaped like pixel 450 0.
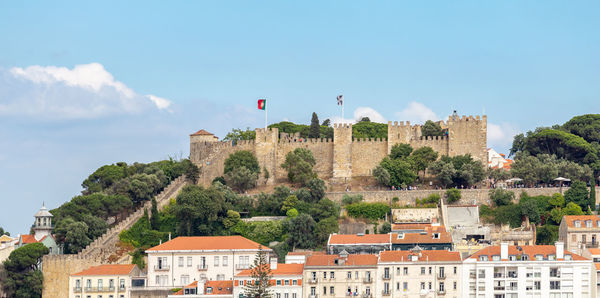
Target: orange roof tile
pixel 530 250
pixel 305 253
pixel 282 269
pixel 208 243
pixel 26 239
pixel 427 237
pixel 410 226
pixel 594 251
pixel 219 287
pixel 108 269
pixel 351 260
pixel 356 239
pixel 202 132
pixel 570 220
pixel 597 266
pixel 424 256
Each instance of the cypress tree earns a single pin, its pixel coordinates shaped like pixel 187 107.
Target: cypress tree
pixel 315 128
pixel 154 218
pixel 259 286
pixel 593 193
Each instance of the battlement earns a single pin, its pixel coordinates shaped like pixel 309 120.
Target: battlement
pixel 342 125
pixel 311 140
pixel 367 140
pixel 399 124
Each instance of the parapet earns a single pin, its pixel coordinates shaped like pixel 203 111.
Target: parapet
pixel 342 125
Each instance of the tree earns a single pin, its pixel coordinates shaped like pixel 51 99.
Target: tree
pixel 240 159
pixel 460 170
pixel 317 189
pixel 241 179
pixel 401 171
pixel 560 143
pixel 154 217
pixel 578 194
pixel 238 135
pixel 586 126
pixel 200 211
pixel 369 130
pixel 518 144
pixel 327 122
pixel 261 277
pixel 192 171
pixel 557 200
pixel 301 232
pixel 325 208
pixel 315 128
pixel 431 128
pixel 104 177
pixel 452 195
pixel 502 197
pixel 530 209
pixel 381 175
pixel 76 237
pixel 547 234
pixel 326 227
pixel 289 203
pixel 385 228
pixel 423 157
pixel 400 151
pixel 299 165
pixel 23 275
pixel 2 232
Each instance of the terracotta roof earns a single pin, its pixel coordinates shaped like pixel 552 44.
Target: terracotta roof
pixel 570 220
pixel 423 256
pixel 202 132
pixel 305 253
pixel 594 251
pixel 282 269
pixel 356 239
pixel 208 243
pixel 530 250
pixel 351 260
pixel 427 237
pixel 26 239
pixel 219 287
pixel 597 266
pixel 108 269
pixel 410 226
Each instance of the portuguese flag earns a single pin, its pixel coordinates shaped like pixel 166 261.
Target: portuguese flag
pixel 262 104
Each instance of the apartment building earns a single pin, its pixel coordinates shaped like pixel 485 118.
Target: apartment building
pixel 206 289
pixel 431 237
pixel 359 243
pixel 528 271
pixel 181 261
pixel 419 273
pixel 104 281
pixel 340 275
pixel 286 280
pixel 579 232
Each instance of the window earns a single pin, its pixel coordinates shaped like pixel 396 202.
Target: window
pixel 325 276
pixel 88 284
pixel 331 275
pixel 430 286
pixel 483 258
pixel 568 257
pixel 220 276
pixel 455 269
pixel 286 295
pixel 422 270
pixel 216 261
pixel 386 272
pixel 324 290
pixel 588 224
pixel 203 264
pixel 122 282
pixel 356 275
pixel 537 285
pixel 286 282
pixel 441 287
pixel 454 287
pixel 430 270
pixel 78 284
pixel 185 280
pixel 583 238
pixel 574 237
pixel 422 286
pixel 405 270
pixel 278 282
pixel 442 272
pixel 349 276
pixel 225 261
pixel 554 272
pixel 331 290
pixel 554 285
pixel 294 282
pixel 539 257
pixel 495 258
pixel 180 261
pixel 314 275
pixel 551 257
pixel 294 295
pixel 189 261
pixel 577 224
pixel 278 295
pixel 405 286
pixel 313 291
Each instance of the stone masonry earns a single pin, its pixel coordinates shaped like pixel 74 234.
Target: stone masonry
pixel 344 157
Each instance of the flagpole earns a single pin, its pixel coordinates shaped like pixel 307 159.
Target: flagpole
pixel 266 114
pixel 342 111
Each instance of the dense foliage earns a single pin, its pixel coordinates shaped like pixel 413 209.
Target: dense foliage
pixel 372 211
pixel 432 129
pixel 299 165
pixel 3 232
pixel 23 275
pixel 452 195
pixel 368 129
pixel 239 135
pixel 458 171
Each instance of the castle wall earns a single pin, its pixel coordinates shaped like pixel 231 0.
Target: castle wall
pixel 366 155
pixel 438 144
pixel 468 135
pixel 342 151
pixel 402 133
pixel 322 150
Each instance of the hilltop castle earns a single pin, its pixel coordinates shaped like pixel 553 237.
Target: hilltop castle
pixel 344 157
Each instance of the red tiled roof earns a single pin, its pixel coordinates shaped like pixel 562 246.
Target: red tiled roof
pixel 410 226
pixel 597 266
pixel 356 239
pixel 305 253
pixel 424 256
pixel 351 260
pixel 208 243
pixel 26 239
pixel 594 251
pixel 530 250
pixel 282 269
pixel 219 287
pixel 427 237
pixel 202 132
pixel 570 220
pixel 109 269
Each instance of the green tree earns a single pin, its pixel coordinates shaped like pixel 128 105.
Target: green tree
pixel 401 172
pixel 385 228
pixel 199 211
pixel 348 199
pixel 369 130
pixel 327 122
pixel 315 128
pixel 317 189
pixel 238 135
pixel 261 276
pixel 461 170
pixel 289 203
pixel 301 232
pixel 241 179
pixel 232 219
pixel 400 151
pixel 547 234
pixel 452 195
pixel 240 159
pixel 431 128
pixel 372 211
pixel 154 217
pixel 557 200
pixel 3 232
pixel 326 227
pixel 518 144
pixel 423 157
pixel 578 193
pixel 292 213
pixel 299 165
pixel 530 209
pixel 325 208
pixel 560 143
pixel 502 197
pixel 104 177
pixel 76 237
pixel 381 175
pixel 23 275
pixel 586 126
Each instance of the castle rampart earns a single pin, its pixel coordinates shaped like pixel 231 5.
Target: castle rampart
pixel 343 157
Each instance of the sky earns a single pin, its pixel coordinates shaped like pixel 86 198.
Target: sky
pixel 83 83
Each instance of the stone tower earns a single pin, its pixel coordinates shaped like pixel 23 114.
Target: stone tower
pixel 468 135
pixel 342 151
pixel 266 151
pixel 43 223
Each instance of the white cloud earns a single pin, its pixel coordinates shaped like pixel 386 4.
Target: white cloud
pixel 500 136
pixel 85 91
pixel 416 112
pixel 373 115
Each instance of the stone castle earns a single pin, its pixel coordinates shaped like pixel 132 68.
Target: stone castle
pixel 343 158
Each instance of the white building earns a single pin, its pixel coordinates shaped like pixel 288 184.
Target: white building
pixel 419 273
pixel 286 280
pixel 183 260
pixel 528 271
pixel 104 281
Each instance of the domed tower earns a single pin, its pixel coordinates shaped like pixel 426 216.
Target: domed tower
pixel 43 223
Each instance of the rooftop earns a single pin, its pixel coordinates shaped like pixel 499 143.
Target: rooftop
pixel 530 250
pixel 426 237
pixel 359 239
pixel 571 219
pixel 202 132
pixel 217 287
pixel 112 269
pixel 350 260
pixel 282 269
pixel 210 243
pixel 422 256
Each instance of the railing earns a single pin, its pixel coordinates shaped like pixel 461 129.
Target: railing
pixel 77 290
pixel 162 268
pixel 202 267
pixel 386 292
pixel 441 276
pixel 500 288
pixel 312 281
pixel 386 276
pixel 441 292
pixel 367 280
pixel 498 275
pixel 122 289
pixel 512 274
pixel 242 266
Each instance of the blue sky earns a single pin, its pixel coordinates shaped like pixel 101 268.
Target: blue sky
pixel 85 84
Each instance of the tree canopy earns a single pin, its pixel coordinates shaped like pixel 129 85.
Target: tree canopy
pixel 432 129
pixel 299 165
pixel 23 275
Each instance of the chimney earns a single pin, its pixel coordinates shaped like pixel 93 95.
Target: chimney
pixel 504 251
pixel 560 249
pixel 169 236
pixel 273 263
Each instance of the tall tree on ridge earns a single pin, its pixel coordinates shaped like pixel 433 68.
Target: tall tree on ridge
pixel 315 128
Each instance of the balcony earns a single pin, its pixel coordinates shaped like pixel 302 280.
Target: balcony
pixel 441 276
pixel 242 266
pixel 162 268
pixel 77 290
pixel 472 275
pixel 314 296
pixel 202 267
pixel 386 292
pixel 498 275
pixel 366 295
pixel 441 292
pixel 312 281
pixel 386 277
pixel 500 288
pixel 122 289
pixel 367 280
pixel 512 274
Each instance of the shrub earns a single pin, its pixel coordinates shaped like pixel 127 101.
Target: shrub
pixel 502 197
pixel 351 199
pixel 372 211
pixel 452 195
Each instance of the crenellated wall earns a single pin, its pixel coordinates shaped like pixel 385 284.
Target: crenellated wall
pixel 343 157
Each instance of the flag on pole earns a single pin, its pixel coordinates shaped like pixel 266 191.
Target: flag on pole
pixel 340 100
pixel 262 104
